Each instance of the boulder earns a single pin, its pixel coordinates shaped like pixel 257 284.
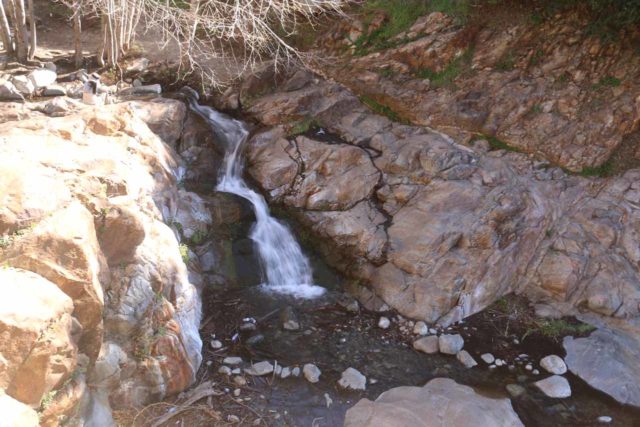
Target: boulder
pixel 42 77
pixel 440 402
pixel 8 92
pixel 16 414
pixel 38 346
pixel 120 231
pixel 24 85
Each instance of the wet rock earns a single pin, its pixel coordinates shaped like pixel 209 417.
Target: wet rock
pixel 352 379
pixel 441 402
pixel 420 328
pixel 311 372
pixel 554 386
pixel 428 345
pixel 384 323
pixel 488 358
pixel 289 319
pixel 233 419
pixel 42 77
pixel 450 344
pixel 466 359
pixel 553 364
pixel 259 369
pixel 515 390
pixel 232 360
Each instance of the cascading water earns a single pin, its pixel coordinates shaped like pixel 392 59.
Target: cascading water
pixel 286 268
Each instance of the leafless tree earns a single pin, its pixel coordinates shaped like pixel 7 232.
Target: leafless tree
pixel 5 31
pixel 18 18
pixel 32 36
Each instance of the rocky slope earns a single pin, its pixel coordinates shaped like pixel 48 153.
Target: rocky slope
pixel 546 86
pixel 438 230
pixel 97 307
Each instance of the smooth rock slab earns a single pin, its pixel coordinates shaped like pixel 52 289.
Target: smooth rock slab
pixel 352 379
pixel 450 344
pixel 555 386
pixel 607 360
pixel 442 402
pixel 554 364
pixel 427 345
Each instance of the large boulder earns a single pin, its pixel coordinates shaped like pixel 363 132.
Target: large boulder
pixel 37 346
pixel 16 414
pixel 440 402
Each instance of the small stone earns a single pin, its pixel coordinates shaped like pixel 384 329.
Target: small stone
pixel 286 373
pixel 8 92
pixel 289 319
pixel 295 372
pixel 259 369
pixel 420 328
pixel 236 392
pixel 215 344
pixel 535 372
pixel 155 89
pixel 328 400
pixel 232 360
pixel 233 419
pixel 209 362
pixel 225 370
pixel 554 364
pixel 528 367
pixel 466 359
pixel 373 381
pixel 353 307
pixel 277 369
pixel 500 362
pixel 427 345
pixel 604 419
pixel 554 386
pixel 450 344
pixel 240 381
pixel 488 358
pixel 433 331
pixel 492 366
pixel 248 326
pixel 136 83
pixel 516 341
pixel 352 379
pixel 255 339
pixel 54 90
pixel 384 323
pixel 515 390
pixel 236 371
pixel 311 373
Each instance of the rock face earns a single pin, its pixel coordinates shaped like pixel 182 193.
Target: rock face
pixel 541 87
pixel 96 306
pixel 440 402
pixel 608 360
pixel 442 230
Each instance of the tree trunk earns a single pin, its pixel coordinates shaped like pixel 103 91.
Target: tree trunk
pixel 34 40
pixel 20 30
pixel 77 31
pixel 5 32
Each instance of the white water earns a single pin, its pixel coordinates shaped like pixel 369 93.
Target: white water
pixel 286 268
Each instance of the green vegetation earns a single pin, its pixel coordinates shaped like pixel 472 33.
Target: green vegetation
pixel 604 170
pixel 608 81
pixel 507 62
pixel 536 109
pixel 184 253
pixel 199 237
pixel 447 76
pixel 557 328
pixel 302 127
pixel 496 144
pixel 381 109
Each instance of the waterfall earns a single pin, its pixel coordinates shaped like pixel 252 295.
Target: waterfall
pixel 286 268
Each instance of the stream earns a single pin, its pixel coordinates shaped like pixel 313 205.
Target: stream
pixel 266 276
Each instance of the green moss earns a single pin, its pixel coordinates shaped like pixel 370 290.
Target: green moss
pixel 184 253
pixel 604 170
pixel 302 127
pixel 381 109
pixel 507 62
pixel 608 81
pixel 536 109
pixel 453 70
pixel 496 144
pixel 558 328
pixel 199 237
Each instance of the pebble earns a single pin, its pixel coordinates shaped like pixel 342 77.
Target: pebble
pixel 278 369
pixel 236 371
pixel 554 386
pixel 604 419
pixel 428 345
pixel 433 331
pixel 255 339
pixel 384 323
pixel 295 372
pixel 466 359
pixel 225 370
pixel 352 379
pixel 373 381
pixel 450 344
pixel 500 362
pixel 286 373
pixel 528 367
pixel 236 392
pixel 328 400
pixel 492 366
pixel 554 364
pixel 420 328
pixel 259 369
pixel 535 372
pixel 240 381
pixel 234 419
pixel 215 344
pixel 289 319
pixel 515 390
pixel 488 358
pixel 232 360
pixel 311 373
pixel 248 327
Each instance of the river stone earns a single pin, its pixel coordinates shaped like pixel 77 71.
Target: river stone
pixel 286 373
pixel 420 328
pixel 384 323
pixel 607 360
pixel 352 379
pixel 466 359
pixel 311 372
pixel 554 386
pixel 605 419
pixel 427 345
pixel 232 360
pixel 224 370
pixel 450 344
pixel 42 77
pixel 441 402
pixel 554 364
pixel 488 358
pixel 259 369
pixel 515 390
